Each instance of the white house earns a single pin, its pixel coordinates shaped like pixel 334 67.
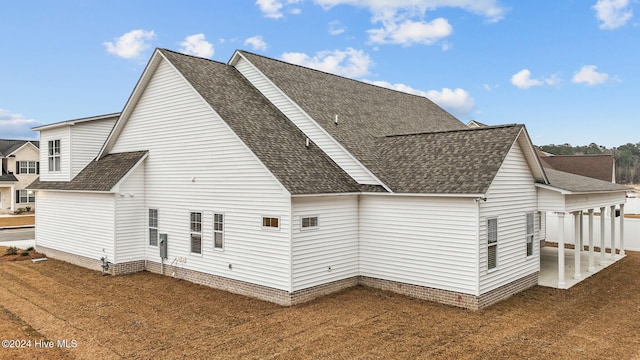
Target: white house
pixel 285 183
pixel 20 166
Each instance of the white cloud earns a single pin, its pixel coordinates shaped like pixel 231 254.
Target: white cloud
pixel 15 126
pixel 612 14
pixel 446 46
pixel 523 80
pixel 197 45
pixel 458 101
pixel 349 62
pixel 131 44
pixel 490 9
pixel 256 42
pixel 273 8
pixel 336 28
pixel 411 32
pixel 588 75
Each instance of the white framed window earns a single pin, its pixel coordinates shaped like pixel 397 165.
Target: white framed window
pixel 25 196
pixel 309 222
pixel 27 167
pixel 492 243
pixel 538 220
pixel 530 233
pixel 270 222
pixel 153 227
pixel 195 227
pixel 218 231
pixel 54 155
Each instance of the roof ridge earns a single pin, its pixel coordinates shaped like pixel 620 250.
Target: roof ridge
pixel 191 56
pixel 456 130
pixel 339 76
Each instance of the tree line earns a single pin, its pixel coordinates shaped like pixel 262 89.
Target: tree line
pixel 627 158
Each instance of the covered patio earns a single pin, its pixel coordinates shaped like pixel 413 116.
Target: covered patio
pixel 577 196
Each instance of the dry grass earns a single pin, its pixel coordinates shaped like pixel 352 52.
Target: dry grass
pixel 145 315
pixel 17 221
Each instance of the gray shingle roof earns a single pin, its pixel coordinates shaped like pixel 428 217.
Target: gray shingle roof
pixel 9 146
pixel 365 111
pixel 454 162
pixel 593 166
pixel 277 142
pixel 8 177
pixel 578 184
pixel 101 175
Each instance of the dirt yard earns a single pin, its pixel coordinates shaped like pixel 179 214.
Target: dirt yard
pixel 17 220
pixel 145 315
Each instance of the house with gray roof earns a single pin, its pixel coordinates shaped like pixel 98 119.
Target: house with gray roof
pixel 20 166
pixel 286 183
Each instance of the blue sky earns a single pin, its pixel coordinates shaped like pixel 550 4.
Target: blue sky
pixel 567 69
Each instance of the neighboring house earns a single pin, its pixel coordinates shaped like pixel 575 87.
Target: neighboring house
pixel 601 167
pixel 475 124
pixel 286 183
pixel 20 167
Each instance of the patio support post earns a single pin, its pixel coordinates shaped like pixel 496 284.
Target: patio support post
pixel 581 231
pixel 603 250
pixel 622 229
pixel 576 243
pixel 13 198
pixel 591 260
pixel 613 232
pixel 561 283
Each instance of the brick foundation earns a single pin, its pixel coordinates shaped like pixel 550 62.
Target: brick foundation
pixel 284 298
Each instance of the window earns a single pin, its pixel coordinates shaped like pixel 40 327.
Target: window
pixel 25 196
pixel 310 222
pixel 539 221
pixel 530 233
pixel 54 155
pixel 196 232
pixel 27 167
pixel 218 231
pixel 270 222
pixel 153 227
pixel 492 243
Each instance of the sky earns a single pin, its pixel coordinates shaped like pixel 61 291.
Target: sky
pixel 567 69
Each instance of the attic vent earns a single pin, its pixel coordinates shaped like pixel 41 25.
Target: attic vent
pixel 336 119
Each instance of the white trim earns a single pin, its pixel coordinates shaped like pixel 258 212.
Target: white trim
pixel 75 121
pixel 28 142
pixel 477 196
pixel 213 228
pixel 567 192
pixel 201 212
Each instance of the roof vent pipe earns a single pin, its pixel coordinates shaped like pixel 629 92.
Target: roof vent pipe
pixel 306 144
pixel 336 119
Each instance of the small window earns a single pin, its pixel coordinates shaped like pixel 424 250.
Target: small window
pixel 530 233
pixel 27 167
pixel 196 232
pixel 270 222
pixel 54 155
pixel 25 196
pixel 309 222
pixel 218 231
pixel 538 221
pixel 153 227
pixel 492 243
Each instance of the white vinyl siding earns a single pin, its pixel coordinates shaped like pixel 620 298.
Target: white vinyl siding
pixel 306 124
pixel 329 252
pixel 511 196
pixel 87 138
pixel 131 222
pixel 426 241
pixel 76 223
pixel 63 134
pixel 181 132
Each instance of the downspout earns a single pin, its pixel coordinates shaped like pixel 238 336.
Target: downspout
pixel 477 221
